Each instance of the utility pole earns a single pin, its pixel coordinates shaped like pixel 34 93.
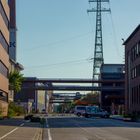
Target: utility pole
pixel 98 59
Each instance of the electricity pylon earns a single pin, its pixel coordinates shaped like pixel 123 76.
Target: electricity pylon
pixel 98 59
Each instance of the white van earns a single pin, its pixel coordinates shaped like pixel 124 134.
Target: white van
pixel 79 110
pixel 95 111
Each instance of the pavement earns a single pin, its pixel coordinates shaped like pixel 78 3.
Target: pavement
pixel 116 117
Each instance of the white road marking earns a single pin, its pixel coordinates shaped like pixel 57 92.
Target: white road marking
pixel 49 132
pixel 97 136
pixel 84 129
pixel 8 133
pixel 11 132
pixel 49 135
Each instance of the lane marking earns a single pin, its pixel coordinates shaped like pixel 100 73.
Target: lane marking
pixel 11 132
pixel 8 133
pixel 49 132
pixel 49 135
pixel 97 136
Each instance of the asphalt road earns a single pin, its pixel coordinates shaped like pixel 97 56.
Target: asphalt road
pixel 18 129
pixel 74 128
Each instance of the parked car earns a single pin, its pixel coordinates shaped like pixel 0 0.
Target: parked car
pixel 79 110
pixel 28 117
pixel 95 111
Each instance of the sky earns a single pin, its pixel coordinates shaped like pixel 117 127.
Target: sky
pixel 55 38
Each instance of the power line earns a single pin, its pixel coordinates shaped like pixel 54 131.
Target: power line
pixel 114 33
pixel 57 64
pixel 58 42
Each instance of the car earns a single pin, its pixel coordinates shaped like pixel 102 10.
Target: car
pixel 95 111
pixel 79 110
pixel 28 117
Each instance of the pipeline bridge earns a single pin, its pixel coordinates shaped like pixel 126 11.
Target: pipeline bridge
pixel 49 84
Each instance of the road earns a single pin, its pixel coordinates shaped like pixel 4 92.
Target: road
pixel 74 128
pixel 19 129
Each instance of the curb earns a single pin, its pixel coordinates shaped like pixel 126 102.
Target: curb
pixel 121 119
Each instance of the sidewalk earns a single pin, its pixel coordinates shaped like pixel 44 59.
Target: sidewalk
pixel 117 117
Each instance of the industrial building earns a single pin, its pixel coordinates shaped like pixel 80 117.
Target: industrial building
pixel 110 100
pixel 32 99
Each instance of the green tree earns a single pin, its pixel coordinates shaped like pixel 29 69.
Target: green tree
pixel 15 80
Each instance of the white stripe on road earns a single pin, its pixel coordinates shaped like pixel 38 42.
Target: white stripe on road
pixel 49 135
pixel 10 132
pixel 84 129
pixel 49 132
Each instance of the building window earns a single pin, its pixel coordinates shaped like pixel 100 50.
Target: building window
pixel 132 96
pixel 3 96
pixel 139 95
pixel 3 69
pixel 4 16
pixel 3 42
pixel 135 72
pixel 135 51
pixel 139 47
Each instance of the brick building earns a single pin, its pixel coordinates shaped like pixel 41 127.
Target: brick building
pixel 132 68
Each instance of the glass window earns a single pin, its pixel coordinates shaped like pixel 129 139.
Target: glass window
pixel 3 42
pixel 139 47
pixel 3 69
pixel 3 96
pixel 4 16
pixel 137 50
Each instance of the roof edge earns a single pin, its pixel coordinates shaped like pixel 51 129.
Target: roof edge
pixel 131 35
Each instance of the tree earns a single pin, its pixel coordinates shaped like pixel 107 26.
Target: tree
pixel 92 98
pixel 15 80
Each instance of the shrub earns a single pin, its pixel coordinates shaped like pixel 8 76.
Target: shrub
pixel 15 110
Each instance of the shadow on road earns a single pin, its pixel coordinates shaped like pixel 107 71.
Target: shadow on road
pixel 73 122
pixel 18 121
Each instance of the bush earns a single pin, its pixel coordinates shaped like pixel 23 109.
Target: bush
pixel 15 110
pixel 133 116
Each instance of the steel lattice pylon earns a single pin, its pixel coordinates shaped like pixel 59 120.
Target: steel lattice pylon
pixel 98 50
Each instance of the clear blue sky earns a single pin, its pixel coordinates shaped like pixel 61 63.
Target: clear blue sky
pixel 55 38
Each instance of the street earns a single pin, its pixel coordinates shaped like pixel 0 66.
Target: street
pixel 74 128
pixel 17 128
